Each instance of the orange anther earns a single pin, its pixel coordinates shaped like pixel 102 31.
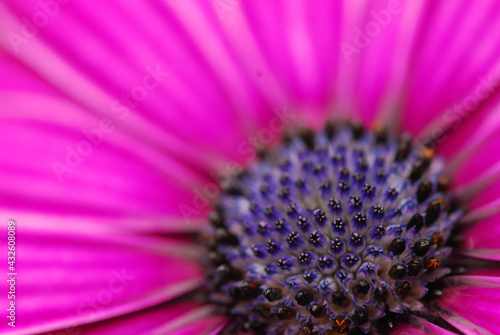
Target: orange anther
pixel 426 152
pixel 341 325
pixel 431 263
pixel 437 239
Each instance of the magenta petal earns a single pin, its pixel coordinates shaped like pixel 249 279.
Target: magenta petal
pixel 435 44
pixel 271 29
pixel 104 225
pixel 482 160
pixel 219 328
pixel 192 80
pixel 481 239
pixel 418 326
pixel 142 322
pixel 492 255
pixel 489 271
pixel 473 136
pixel 66 280
pixel 82 163
pixel 206 326
pixel 203 320
pixel 471 304
pixel 118 177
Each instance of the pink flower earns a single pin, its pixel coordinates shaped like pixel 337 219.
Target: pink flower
pixel 117 121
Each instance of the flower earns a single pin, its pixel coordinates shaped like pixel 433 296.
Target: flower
pixel 117 119
pixel 343 230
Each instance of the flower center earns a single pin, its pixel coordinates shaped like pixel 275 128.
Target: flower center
pixel 331 233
